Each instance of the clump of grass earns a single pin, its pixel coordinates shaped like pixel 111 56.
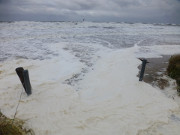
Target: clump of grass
pixel 173 69
pixel 12 127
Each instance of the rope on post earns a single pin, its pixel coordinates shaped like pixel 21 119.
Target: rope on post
pixel 17 107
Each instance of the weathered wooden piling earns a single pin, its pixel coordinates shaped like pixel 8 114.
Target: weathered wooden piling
pixel 144 62
pixel 24 78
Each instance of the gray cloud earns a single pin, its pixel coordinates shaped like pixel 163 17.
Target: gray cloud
pixel 166 11
pixel 4 1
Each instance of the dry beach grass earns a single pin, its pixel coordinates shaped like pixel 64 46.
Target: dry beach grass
pixel 12 127
pixel 174 69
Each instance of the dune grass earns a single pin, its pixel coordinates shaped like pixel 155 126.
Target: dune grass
pixel 173 69
pixel 10 127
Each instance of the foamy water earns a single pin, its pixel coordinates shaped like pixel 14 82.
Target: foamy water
pixel 84 77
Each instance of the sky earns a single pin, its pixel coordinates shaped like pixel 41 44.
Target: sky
pixel 146 11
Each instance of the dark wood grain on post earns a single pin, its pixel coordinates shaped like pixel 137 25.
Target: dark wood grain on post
pixel 24 78
pixel 19 72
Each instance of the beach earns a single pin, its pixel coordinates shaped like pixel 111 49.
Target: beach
pixel 84 77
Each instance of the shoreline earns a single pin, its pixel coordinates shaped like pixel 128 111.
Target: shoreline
pixel 156 76
pixel 155 72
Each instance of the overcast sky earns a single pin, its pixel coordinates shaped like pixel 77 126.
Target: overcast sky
pixel 149 11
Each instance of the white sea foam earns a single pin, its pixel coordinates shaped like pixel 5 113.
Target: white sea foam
pixel 107 98
pixel 110 99
pixel 157 50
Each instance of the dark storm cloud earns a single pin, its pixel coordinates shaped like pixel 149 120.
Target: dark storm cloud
pixel 4 1
pixel 93 10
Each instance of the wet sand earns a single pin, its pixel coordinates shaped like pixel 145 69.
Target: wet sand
pixel 155 70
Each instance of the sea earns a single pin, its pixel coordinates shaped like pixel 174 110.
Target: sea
pixel 84 77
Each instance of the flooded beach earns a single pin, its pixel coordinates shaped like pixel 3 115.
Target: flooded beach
pixel 84 77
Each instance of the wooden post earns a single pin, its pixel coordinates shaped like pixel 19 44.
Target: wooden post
pixel 24 78
pixel 27 82
pixel 144 62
